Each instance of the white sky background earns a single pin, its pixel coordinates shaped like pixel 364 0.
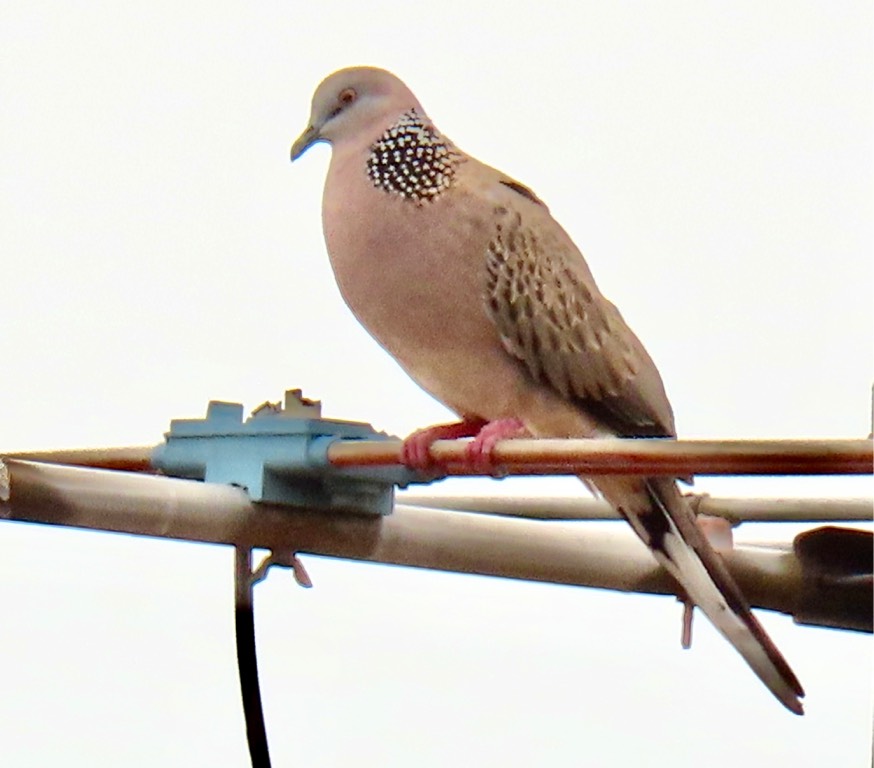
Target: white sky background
pixel 157 250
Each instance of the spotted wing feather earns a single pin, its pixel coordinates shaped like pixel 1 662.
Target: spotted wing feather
pixel 551 316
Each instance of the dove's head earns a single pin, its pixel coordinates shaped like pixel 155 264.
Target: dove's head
pixel 358 102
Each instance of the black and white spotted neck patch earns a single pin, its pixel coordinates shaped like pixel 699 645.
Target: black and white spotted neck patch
pixel 412 160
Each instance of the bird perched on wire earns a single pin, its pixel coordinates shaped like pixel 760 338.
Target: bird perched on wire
pixel 463 276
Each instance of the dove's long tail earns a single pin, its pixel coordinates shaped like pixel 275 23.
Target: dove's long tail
pixel 666 523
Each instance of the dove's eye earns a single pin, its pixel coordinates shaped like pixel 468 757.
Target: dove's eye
pixel 344 99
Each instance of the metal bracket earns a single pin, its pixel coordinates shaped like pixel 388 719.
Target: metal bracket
pixel 284 560
pixel 837 580
pixel 280 455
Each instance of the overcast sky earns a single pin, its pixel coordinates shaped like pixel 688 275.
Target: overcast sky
pixel 157 250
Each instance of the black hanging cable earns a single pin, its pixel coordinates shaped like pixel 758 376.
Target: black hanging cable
pixel 247 661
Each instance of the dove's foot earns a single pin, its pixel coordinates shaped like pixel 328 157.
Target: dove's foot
pixel 416 450
pixel 480 449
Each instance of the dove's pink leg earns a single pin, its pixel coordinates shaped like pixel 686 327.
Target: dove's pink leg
pixel 479 451
pixel 415 452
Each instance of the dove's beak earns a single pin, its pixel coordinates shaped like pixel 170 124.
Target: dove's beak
pixel 309 137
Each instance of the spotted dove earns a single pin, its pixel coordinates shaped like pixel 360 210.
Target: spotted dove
pixel 463 276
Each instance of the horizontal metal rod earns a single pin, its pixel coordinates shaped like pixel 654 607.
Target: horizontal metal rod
pixel 130 458
pixel 561 553
pixel 674 458
pixel 546 456
pixel 583 508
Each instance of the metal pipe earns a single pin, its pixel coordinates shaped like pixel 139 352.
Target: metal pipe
pixel 587 457
pixel 562 553
pixel 131 458
pixel 582 508
pixel 673 458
